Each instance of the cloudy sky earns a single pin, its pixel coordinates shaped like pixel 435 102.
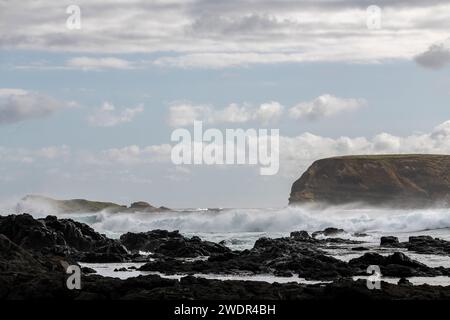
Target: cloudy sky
pixel 88 112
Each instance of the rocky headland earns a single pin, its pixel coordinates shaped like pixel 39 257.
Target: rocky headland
pixel 30 202
pixel 407 181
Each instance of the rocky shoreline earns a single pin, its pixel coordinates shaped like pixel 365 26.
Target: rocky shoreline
pixel 35 253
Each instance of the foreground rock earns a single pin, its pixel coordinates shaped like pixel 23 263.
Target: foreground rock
pixel 386 180
pixel 34 255
pixel 62 237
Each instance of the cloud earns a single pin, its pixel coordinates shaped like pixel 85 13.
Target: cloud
pixel 297 153
pixel 324 106
pixel 129 155
pixel 87 63
pixel 184 114
pixel 436 57
pixel 107 116
pixel 218 34
pixel 18 105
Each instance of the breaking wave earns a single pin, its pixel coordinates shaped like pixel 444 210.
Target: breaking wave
pixel 280 220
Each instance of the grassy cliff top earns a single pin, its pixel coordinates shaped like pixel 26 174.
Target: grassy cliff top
pixel 390 156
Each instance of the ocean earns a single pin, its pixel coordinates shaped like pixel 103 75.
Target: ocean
pixel 239 228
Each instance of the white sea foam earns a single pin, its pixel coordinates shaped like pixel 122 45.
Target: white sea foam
pixel 278 220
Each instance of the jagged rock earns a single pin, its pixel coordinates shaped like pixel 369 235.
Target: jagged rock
pixel 300 235
pixel 87 270
pixel 389 241
pixel 37 271
pixel 360 249
pixel 61 237
pixel 171 244
pixel 328 232
pixel 428 245
pixel 404 282
pixel 277 256
pixel 420 244
pixel 396 265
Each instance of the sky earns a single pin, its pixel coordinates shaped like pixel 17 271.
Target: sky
pixel 88 102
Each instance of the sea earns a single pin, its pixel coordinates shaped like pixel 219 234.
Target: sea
pixel 239 228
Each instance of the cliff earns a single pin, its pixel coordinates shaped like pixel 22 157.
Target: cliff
pixel 384 180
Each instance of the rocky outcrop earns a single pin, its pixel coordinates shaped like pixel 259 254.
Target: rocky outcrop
pixel 397 265
pixel 34 202
pixel 382 180
pixel 61 237
pixel 171 244
pixel 419 244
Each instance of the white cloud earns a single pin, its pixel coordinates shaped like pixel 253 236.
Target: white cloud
pixel 299 152
pixel 107 116
pixel 184 114
pixel 324 106
pixel 218 34
pixel 87 63
pixel 19 105
pixel 436 57
pixel 296 153
pixel 233 113
pixel 269 111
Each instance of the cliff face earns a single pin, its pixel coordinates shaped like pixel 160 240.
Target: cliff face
pixel 386 180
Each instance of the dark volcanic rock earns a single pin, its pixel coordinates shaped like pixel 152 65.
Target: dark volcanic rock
pixel 397 265
pixel 32 266
pixel 328 232
pixel 428 245
pixel 360 249
pixel 170 244
pixel 62 237
pixel 420 244
pixel 389 241
pixel 300 235
pixel 386 180
pixel 298 255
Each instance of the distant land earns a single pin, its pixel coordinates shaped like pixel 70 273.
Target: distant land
pixel 409 181
pixel 82 205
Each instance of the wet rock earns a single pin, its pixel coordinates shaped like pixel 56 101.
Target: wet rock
pixel 328 232
pixel 404 282
pixel 360 249
pixel 120 269
pixel 37 271
pixel 61 237
pixel 171 244
pixel 389 241
pixel 420 244
pixel 87 270
pixel 396 265
pixel 300 235
pixel 274 256
pixel 428 245
pixel 360 234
